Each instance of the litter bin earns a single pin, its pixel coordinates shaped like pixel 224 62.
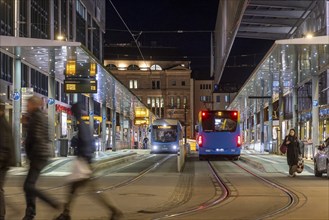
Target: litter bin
pixel 63 147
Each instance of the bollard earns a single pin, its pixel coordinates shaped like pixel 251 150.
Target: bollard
pixel 178 161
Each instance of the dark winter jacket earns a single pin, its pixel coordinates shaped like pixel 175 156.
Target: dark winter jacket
pixel 85 147
pixel 293 150
pixel 37 144
pixel 6 144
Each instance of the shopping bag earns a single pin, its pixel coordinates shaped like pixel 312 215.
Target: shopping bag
pixel 300 165
pixel 283 148
pixel 80 170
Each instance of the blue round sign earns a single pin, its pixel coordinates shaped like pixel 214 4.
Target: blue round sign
pixel 91 113
pixel 51 101
pixel 16 96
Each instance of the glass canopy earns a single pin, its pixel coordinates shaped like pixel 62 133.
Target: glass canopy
pixel 50 56
pixel 288 63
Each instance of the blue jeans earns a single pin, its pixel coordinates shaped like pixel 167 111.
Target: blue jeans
pixel 3 173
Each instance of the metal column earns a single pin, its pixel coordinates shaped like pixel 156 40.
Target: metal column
pixel 315 97
pixel 295 93
pixel 270 110
pixel 104 119
pixel 51 101
pixel 114 116
pixel 255 121
pixel 261 114
pixel 17 92
pixel 91 114
pixel 17 107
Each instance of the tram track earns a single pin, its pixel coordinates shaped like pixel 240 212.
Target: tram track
pixel 223 191
pixel 108 188
pixel 292 197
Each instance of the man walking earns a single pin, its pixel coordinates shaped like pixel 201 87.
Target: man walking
pixel 6 155
pixel 85 152
pixel 38 152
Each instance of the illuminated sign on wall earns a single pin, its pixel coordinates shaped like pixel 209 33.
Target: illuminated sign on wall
pixel 80 86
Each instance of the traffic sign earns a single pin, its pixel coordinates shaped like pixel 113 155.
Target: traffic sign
pixel 51 101
pixel 16 96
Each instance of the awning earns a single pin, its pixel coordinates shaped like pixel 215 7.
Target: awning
pixel 286 61
pixel 42 55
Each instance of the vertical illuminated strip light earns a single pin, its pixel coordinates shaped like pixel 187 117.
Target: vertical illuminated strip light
pixel 71 68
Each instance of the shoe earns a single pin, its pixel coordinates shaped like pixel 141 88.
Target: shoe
pixel 26 217
pixel 63 216
pixel 116 215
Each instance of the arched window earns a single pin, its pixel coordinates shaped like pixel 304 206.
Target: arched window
pixel 155 67
pixel 111 67
pixel 133 67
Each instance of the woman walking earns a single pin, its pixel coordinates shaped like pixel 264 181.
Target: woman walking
pixel 293 151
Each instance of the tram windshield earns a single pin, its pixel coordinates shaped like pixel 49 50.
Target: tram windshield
pixel 165 135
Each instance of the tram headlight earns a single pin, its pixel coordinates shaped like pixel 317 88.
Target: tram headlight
pixel 174 147
pixel 154 147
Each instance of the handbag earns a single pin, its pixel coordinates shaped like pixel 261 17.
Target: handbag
pixel 283 148
pixel 81 170
pixel 300 165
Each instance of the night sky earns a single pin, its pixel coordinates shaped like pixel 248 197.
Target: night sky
pixel 160 21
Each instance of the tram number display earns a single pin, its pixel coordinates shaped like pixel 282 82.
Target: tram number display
pixel 80 86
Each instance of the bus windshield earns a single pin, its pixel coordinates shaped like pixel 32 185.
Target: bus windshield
pixel 219 123
pixel 164 135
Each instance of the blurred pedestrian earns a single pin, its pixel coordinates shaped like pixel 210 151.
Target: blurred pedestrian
pixel 6 155
pixel 85 152
pixel 293 151
pixel 37 148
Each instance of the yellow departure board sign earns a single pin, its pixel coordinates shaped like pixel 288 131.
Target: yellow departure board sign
pixel 80 86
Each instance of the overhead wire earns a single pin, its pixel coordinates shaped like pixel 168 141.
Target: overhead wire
pixel 132 35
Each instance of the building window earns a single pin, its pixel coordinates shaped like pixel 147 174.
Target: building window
pixel 156 84
pixel 183 83
pixel 200 86
pixel 133 84
pixel 210 86
pixel 205 98
pixel 185 101
pixel 133 67
pixel 155 67
pixel 227 98
pixel 81 10
pixel 111 67
pixel 171 102
pixel 148 101
pixel 178 102
pixel 173 82
pixel 218 98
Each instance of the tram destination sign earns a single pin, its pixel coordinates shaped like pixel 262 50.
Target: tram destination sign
pixel 80 86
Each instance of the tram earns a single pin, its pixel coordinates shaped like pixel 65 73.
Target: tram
pixel 166 136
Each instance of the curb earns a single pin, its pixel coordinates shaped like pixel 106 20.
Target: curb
pixel 257 165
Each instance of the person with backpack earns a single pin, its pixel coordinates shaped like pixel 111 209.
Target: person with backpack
pixel 85 153
pixel 37 148
pixel 6 155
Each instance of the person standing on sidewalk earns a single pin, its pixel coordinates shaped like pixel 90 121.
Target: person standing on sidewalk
pixel 293 151
pixel 85 151
pixel 37 148
pixel 6 156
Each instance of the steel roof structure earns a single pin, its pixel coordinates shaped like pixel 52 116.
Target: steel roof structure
pixel 273 19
